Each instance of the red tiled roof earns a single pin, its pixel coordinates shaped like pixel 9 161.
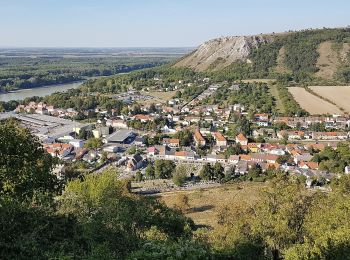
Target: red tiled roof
pixel 180 153
pixel 241 137
pixel 218 136
pixel 311 165
pixel 171 140
pixel 198 136
pixel 245 157
pixel 142 117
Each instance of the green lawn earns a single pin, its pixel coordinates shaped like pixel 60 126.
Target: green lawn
pixel 274 92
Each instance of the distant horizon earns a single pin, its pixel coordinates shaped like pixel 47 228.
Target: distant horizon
pixel 156 23
pixel 160 47
pixel 97 47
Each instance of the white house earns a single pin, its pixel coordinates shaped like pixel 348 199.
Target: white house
pixel 77 143
pixel 135 162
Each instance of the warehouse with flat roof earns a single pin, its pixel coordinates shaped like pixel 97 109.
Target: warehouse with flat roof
pixel 121 136
pixel 43 125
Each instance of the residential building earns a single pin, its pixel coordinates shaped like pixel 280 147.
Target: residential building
pixel 77 143
pixel 233 159
pixel 134 163
pixel 329 135
pixel 198 138
pixel 143 118
pixel 241 139
pixel 171 142
pixel 58 150
pixel 220 139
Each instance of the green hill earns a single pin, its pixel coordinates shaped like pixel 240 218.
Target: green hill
pixel 317 55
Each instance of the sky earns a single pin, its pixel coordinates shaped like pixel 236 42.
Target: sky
pixel 157 23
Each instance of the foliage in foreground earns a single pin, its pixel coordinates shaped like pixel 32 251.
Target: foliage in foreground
pixel 98 217
pixel 24 165
pixel 94 218
pixel 288 223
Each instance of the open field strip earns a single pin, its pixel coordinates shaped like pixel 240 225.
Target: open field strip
pixel 338 94
pixel 313 104
pixel 158 97
pixel 274 92
pixel 165 95
pixel 206 203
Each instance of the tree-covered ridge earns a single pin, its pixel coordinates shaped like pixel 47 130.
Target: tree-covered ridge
pixel 300 51
pixel 27 72
pixel 160 77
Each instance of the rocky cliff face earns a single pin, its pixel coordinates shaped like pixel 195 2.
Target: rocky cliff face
pixel 221 52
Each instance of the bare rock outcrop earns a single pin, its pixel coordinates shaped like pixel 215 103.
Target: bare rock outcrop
pixel 221 52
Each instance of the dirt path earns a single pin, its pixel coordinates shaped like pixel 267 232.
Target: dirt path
pixel 328 61
pixel 281 67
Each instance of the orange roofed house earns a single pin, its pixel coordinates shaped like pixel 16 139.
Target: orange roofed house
pixel 241 139
pixel 198 138
pixel 143 118
pixel 171 142
pixel 58 149
pixel 220 139
pixel 308 165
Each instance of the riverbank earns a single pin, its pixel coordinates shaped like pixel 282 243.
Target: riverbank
pixel 43 86
pixel 20 94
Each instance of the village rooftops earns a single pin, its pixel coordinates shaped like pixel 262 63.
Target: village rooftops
pixel 329 135
pixel 308 165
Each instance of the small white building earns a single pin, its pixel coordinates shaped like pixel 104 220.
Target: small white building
pixel 77 143
pixel 347 170
pixel 111 149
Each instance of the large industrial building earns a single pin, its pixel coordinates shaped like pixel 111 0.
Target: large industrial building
pixel 45 126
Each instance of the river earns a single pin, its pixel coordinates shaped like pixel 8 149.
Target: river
pixel 40 92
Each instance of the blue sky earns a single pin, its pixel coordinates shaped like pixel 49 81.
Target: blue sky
pixel 156 23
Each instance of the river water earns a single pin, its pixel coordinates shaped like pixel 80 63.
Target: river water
pixel 40 92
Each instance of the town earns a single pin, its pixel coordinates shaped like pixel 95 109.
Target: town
pixel 177 130
pixel 190 130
